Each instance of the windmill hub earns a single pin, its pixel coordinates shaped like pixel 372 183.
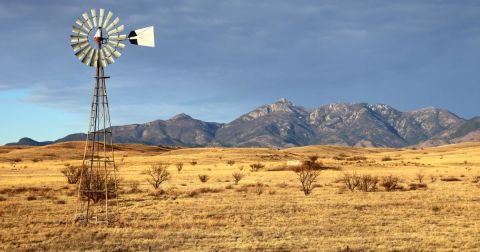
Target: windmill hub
pixel 98 36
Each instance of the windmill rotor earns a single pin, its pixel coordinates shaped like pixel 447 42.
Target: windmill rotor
pixel 107 42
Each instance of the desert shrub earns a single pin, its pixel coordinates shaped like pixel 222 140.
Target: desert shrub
pixel 259 188
pixel 193 163
pixel 240 168
pixel 2 198
pixel 203 178
pixel 256 167
pixel 351 181
pixel 230 162
pixel 450 179
pixel 31 197
pixel 368 183
pixel 157 174
pixel 386 158
pixel 341 156
pixel 72 173
pixel 93 183
pixel 237 176
pixel 419 176
pixel 179 167
pixel 229 187
pixel 198 191
pixel 308 174
pixel 390 183
pixel 272 192
pixel 134 186
pixel 415 186
pixel 61 202
pixel 433 178
pixel 36 160
pixel 282 185
pixel 476 179
pixel 357 158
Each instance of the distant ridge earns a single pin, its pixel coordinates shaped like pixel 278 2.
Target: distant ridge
pixel 284 124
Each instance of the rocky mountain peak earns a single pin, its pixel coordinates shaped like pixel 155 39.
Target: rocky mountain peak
pixel 181 116
pixel 280 106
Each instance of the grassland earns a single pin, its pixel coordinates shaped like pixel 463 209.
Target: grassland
pixel 265 211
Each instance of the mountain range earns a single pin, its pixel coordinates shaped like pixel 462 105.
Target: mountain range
pixel 284 124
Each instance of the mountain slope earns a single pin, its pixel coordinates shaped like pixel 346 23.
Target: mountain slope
pixel 284 124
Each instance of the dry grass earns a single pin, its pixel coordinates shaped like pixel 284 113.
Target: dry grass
pixel 267 211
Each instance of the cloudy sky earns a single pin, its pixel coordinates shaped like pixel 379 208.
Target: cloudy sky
pixel 216 60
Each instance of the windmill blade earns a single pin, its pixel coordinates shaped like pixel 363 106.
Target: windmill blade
pixel 143 37
pixel 110 60
pixel 83 52
pixel 78 31
pixel 80 45
pixel 82 25
pixel 94 61
pixel 94 17
pixel 119 29
pixel 100 19
pixel 75 39
pixel 115 22
pixel 109 15
pixel 116 44
pixel 120 46
pixel 116 54
pixel 103 62
pixel 116 38
pixel 87 20
pixel 106 53
pixel 88 58
pixel 110 49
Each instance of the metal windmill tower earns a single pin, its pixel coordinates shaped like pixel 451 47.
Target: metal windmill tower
pixel 97 42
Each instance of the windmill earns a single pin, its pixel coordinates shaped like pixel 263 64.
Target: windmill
pixel 97 41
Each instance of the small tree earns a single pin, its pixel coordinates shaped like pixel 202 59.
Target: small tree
pixel 157 174
pixel 72 173
pixel 237 176
pixel 179 167
pixel 230 162
pixel 307 174
pixel 256 167
pixel 420 177
pixel 203 178
pixel 193 163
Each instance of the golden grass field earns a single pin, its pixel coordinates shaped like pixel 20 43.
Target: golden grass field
pixel 37 205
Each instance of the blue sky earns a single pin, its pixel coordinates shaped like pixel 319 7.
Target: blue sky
pixel 216 60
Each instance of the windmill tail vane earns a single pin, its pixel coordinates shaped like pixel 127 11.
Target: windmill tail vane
pixel 97 41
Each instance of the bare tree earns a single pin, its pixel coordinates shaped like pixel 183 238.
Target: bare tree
pixel 420 177
pixel 237 176
pixel 307 174
pixel 351 181
pixel 390 183
pixel 157 174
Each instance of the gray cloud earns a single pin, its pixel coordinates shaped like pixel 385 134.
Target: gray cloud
pixel 215 59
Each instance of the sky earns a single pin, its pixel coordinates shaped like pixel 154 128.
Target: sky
pixel 216 60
